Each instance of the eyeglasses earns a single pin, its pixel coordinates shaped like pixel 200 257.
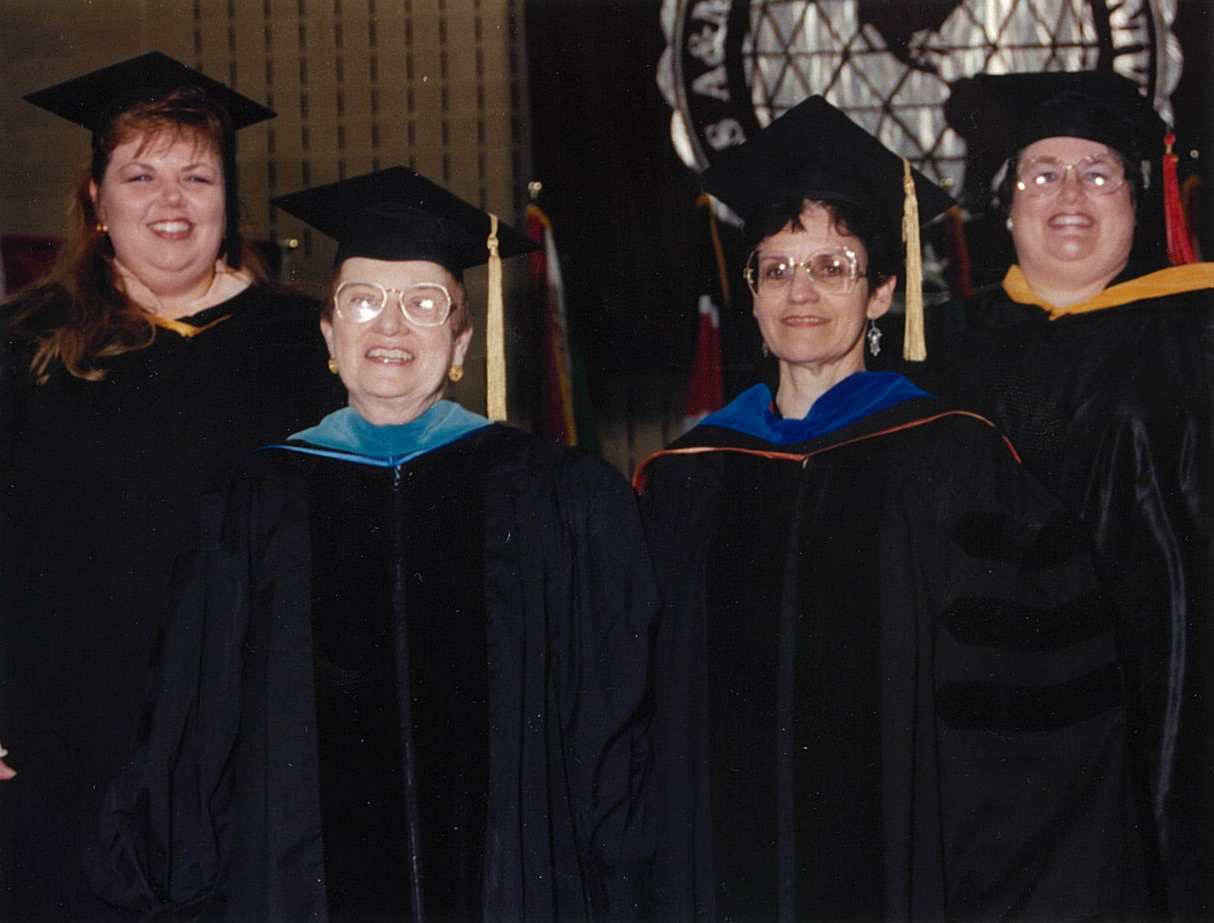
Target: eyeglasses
pixel 425 304
pixel 834 271
pixel 1044 176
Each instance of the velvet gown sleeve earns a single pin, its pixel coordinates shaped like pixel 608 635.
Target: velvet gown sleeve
pixel 162 834
pixel 1029 717
pixel 1153 522
pixel 566 557
pixel 1004 792
pixel 602 684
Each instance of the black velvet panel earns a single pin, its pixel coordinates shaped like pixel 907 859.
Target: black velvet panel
pixel 1002 708
pixel 794 667
pixel 362 792
pixel 994 622
pixel 362 684
pixel 836 690
pixel 744 587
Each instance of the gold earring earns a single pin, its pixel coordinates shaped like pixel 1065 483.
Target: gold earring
pixel 101 227
pixel 332 365
pixel 456 372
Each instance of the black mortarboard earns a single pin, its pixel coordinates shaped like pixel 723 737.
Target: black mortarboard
pixel 815 151
pixel 1000 114
pixel 398 214
pixel 93 99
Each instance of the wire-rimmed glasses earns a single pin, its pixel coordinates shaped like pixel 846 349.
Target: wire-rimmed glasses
pixel 426 304
pixel 1044 176
pixel 834 271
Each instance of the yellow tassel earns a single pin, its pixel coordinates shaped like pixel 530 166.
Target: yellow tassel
pixel 495 333
pixel 914 345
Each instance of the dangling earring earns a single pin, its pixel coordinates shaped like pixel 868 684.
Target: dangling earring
pixel 766 351
pixel 332 365
pixel 874 337
pixel 456 372
pixel 1008 224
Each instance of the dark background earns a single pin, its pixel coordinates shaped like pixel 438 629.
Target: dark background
pixel 621 201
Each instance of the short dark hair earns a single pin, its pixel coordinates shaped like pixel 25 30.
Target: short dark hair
pixel 847 218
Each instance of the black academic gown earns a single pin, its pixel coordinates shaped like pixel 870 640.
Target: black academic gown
pixel 886 686
pixel 398 693
pixel 99 487
pixel 1113 410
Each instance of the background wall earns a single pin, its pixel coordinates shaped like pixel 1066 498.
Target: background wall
pixel 439 85
pixel 483 96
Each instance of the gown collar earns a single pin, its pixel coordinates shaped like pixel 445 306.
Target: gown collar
pixel 344 434
pixel 857 396
pixel 1171 281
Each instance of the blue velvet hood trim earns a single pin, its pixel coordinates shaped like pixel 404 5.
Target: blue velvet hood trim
pixel 857 396
pixel 344 434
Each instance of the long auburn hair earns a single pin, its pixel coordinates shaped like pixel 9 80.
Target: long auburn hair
pixel 99 320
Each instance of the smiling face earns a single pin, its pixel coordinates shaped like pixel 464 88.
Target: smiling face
pixel 806 328
pixel 395 371
pixel 1074 242
pixel 162 197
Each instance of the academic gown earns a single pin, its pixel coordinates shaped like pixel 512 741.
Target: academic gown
pixel 886 686
pixel 1111 404
pixel 99 483
pixel 402 682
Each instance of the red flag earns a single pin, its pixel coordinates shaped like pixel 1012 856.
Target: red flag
pixel 705 392
pixel 556 410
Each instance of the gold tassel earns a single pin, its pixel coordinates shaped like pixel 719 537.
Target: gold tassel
pixel 495 333
pixel 914 345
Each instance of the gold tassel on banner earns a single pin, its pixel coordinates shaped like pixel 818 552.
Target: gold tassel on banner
pixel 914 345
pixel 495 333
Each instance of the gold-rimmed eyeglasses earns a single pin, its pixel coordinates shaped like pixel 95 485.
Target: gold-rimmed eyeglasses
pixel 835 271
pixel 1044 176
pixel 426 304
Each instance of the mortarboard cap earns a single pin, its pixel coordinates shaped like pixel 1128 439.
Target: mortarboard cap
pixel 398 214
pixel 93 99
pixel 815 151
pixel 1000 114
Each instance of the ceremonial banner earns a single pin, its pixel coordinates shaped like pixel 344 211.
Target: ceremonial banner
pixel 705 391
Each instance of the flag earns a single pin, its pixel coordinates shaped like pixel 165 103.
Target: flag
pixel 705 391
pixel 25 259
pixel 558 418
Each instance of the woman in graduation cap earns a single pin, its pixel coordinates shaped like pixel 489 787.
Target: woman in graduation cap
pixel 1094 355
pixel 403 669
pixel 151 356
pixel 885 677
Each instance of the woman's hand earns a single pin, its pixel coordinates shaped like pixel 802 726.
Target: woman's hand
pixel 6 771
